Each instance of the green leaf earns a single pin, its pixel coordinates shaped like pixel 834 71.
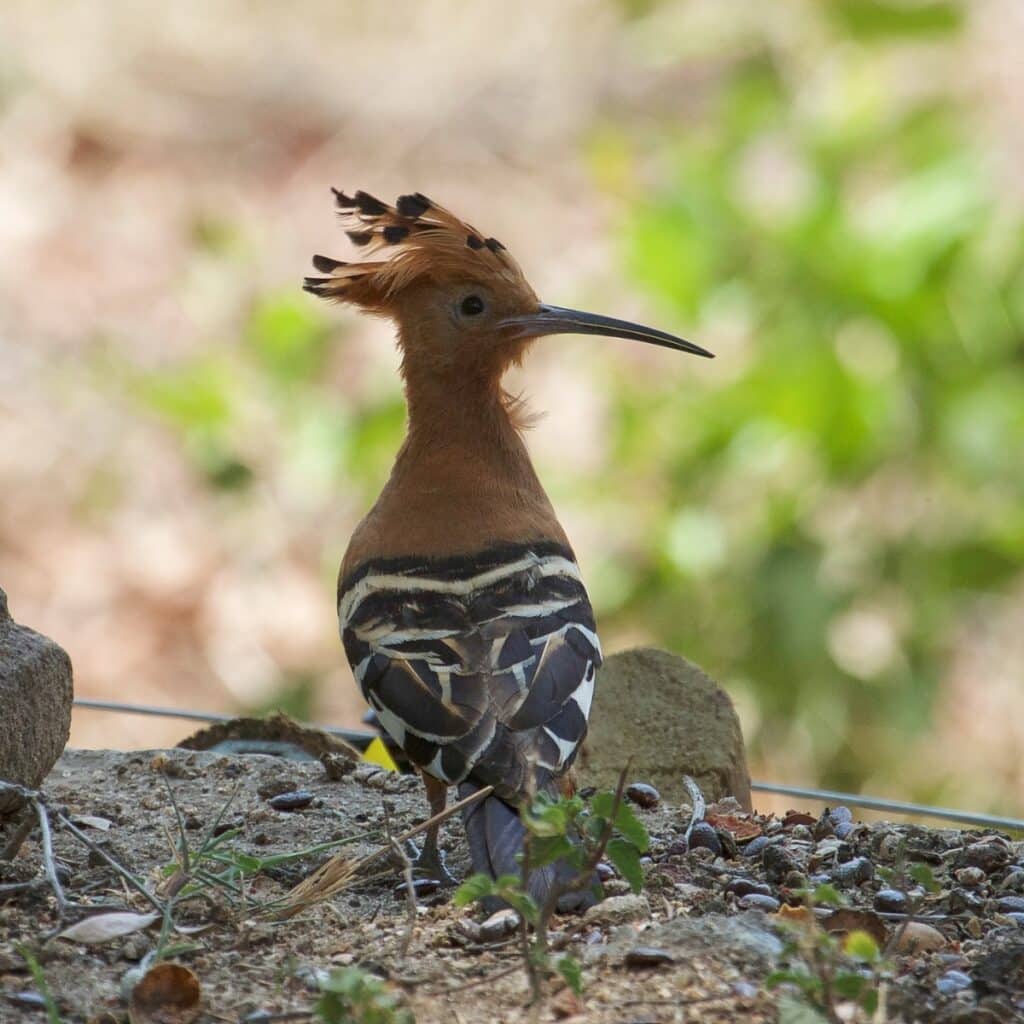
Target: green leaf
pixel 602 804
pixel 474 888
pixel 827 895
pixel 631 828
pixel 626 859
pixel 796 1011
pixel 849 985
pixel 924 876
pixel 546 849
pixel 860 945
pixel 569 968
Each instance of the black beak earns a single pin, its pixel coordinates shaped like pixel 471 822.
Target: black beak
pixel 556 320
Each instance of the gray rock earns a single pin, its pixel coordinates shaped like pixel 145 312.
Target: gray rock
pixel 35 704
pixel 619 910
pixel 672 719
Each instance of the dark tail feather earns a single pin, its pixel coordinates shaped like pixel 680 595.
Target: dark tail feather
pixel 496 835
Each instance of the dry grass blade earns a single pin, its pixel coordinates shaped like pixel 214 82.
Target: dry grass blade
pixel 340 872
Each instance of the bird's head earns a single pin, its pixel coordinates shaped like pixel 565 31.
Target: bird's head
pixel 458 297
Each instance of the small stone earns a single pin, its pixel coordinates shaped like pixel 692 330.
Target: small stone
pixel 854 872
pixel 747 887
pixel 953 981
pixel 778 862
pixel 296 800
pixel 889 847
pixel 971 876
pixel 988 855
pixel 801 833
pixel 964 901
pixel 844 828
pixel 604 871
pixel 703 836
pixel 840 815
pixel 619 910
pixel 643 795
pixel 1016 918
pixel 918 937
pixel 1014 880
pixel 758 901
pixel 499 925
pixel 648 956
pixel 890 901
pixel 1011 905
pixel 757 846
pixel 420 887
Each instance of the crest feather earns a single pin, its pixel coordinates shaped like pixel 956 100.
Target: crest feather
pixel 421 239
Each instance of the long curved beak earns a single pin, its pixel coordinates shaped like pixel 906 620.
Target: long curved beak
pixel 557 320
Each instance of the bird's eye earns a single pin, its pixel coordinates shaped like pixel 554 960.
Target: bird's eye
pixel 471 305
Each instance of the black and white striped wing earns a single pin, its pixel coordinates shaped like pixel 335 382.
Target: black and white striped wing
pixel 479 667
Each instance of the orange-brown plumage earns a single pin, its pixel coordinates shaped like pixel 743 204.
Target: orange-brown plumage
pixel 462 610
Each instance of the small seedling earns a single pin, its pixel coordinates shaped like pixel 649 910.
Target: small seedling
pixel 827 970
pixel 563 829
pixel 352 996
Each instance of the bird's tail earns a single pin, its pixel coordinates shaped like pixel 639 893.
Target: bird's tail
pixel 496 834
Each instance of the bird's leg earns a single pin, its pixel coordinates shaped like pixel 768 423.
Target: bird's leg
pixel 429 860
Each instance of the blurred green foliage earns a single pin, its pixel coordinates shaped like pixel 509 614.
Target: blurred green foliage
pixel 835 505
pixel 819 515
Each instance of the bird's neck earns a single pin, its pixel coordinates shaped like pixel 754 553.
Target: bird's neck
pixel 463 481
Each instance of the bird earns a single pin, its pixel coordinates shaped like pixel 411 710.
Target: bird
pixel 461 606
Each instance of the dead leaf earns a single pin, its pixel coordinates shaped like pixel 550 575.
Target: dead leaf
pixel 800 915
pixel 104 927
pixel 740 827
pixel 798 818
pixel 93 821
pixel 846 920
pixel 167 994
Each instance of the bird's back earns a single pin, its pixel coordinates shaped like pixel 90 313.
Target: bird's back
pixel 480 666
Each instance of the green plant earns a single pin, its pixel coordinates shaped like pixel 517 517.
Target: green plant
pixel 351 996
pixel 35 968
pixel 570 830
pixel 827 970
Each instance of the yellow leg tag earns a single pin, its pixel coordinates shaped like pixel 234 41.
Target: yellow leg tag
pixel 377 753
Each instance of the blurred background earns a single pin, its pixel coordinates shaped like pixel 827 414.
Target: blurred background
pixel 829 517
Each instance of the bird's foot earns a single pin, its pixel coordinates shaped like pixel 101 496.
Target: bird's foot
pixel 429 863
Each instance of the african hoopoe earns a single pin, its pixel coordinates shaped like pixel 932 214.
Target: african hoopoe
pixel 460 603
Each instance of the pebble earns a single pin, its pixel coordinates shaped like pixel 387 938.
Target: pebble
pixel 748 887
pixel 971 876
pixel 296 800
pixel 420 887
pixel 643 795
pixel 648 956
pixel 757 846
pixel 619 910
pixel 844 828
pixel 703 836
pixel 499 925
pixel 605 872
pixel 1014 880
pixel 1011 905
pixel 758 901
pixel 919 937
pixel 840 815
pixel 990 856
pixel 891 901
pixel 853 872
pixel 778 862
pixel 961 900
pixel 953 981
pixel 1017 919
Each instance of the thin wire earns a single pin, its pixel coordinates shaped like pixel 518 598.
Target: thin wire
pixel 360 738
pixel 877 803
